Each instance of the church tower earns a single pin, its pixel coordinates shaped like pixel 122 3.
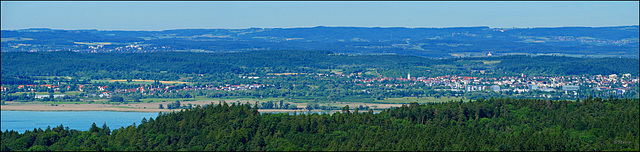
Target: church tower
pixel 409 76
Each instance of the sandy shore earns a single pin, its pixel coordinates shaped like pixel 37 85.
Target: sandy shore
pixel 140 107
pixel 147 107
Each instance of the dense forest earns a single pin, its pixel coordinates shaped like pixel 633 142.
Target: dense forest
pixel 17 67
pixel 505 124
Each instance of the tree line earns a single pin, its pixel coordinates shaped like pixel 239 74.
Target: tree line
pixel 18 67
pixel 504 124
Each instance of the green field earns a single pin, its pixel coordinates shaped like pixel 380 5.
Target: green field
pixel 374 73
pixel 490 62
pixel 14 39
pixel 336 71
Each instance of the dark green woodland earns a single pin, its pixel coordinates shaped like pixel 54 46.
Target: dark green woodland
pixel 19 67
pixel 592 124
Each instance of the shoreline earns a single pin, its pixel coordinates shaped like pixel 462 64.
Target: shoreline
pixel 153 107
pixel 158 110
pixel 134 107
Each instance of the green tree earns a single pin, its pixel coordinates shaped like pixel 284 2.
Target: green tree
pixel 116 99
pixel 345 109
pixel 94 128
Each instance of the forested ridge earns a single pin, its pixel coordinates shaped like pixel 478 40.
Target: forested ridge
pixel 18 66
pixel 591 124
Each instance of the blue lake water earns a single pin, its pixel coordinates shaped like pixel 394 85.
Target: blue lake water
pixel 79 120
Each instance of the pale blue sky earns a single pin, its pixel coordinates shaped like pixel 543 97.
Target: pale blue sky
pixel 122 15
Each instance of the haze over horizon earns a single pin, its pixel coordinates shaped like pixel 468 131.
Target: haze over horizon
pixel 302 27
pixel 157 16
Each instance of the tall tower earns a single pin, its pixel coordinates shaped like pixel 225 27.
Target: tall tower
pixel 409 76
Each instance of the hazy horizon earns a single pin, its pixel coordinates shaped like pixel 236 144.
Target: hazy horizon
pixel 310 27
pixel 157 16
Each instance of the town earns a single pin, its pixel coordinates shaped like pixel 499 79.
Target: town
pixel 566 84
pixel 556 87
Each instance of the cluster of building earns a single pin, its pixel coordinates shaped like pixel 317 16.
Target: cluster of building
pixel 591 40
pixel 518 84
pixel 150 89
pixel 515 84
pixel 236 87
pixel 104 91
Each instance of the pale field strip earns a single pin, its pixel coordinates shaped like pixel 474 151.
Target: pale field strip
pixel 153 107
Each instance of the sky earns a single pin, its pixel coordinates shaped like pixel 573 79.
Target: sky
pixel 165 15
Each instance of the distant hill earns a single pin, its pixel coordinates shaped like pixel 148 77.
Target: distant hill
pixel 126 65
pixel 619 41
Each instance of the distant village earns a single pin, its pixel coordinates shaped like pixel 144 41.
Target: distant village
pixel 567 85
pixel 104 91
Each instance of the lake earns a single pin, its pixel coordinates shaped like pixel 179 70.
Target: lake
pixel 79 120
